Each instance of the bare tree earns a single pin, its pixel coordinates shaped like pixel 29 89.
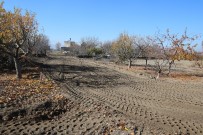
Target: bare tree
pixel 87 44
pixel 151 50
pixel 175 47
pixel 42 44
pixel 75 49
pixel 144 48
pixel 132 47
pixel 106 47
pixel 58 46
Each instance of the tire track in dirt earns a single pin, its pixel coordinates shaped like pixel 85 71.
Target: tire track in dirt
pixel 149 101
pixel 86 117
pixel 106 97
pixel 144 114
pixel 141 103
pixel 97 122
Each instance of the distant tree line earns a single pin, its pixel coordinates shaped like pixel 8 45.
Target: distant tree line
pixel 164 48
pixel 20 39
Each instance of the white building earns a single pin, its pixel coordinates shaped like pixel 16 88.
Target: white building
pixel 68 43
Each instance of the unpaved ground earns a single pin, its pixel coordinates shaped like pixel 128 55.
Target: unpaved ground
pixel 112 101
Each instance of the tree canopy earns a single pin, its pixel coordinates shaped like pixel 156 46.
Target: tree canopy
pixel 17 30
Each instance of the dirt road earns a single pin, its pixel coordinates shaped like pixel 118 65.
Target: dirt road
pixel 108 101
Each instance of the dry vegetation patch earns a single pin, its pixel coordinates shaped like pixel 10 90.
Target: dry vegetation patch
pixel 185 77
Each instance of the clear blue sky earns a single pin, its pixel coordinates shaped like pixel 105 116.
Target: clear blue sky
pixel 106 19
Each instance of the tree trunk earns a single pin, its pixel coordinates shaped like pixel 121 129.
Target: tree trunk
pixel 157 77
pixel 62 73
pixel 169 67
pixel 18 68
pixel 146 63
pixel 130 63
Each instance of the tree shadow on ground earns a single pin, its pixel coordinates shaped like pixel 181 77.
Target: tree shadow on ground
pixel 81 76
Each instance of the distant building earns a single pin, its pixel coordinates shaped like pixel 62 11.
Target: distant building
pixel 69 47
pixel 69 43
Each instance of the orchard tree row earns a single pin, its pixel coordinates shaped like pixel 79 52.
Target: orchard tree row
pixel 20 37
pixel 165 48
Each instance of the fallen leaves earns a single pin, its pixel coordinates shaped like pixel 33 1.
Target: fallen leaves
pixel 18 90
pixel 58 97
pixel 40 99
pixel 119 128
pixel 185 77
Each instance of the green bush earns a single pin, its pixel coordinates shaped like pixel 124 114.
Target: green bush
pixel 94 51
